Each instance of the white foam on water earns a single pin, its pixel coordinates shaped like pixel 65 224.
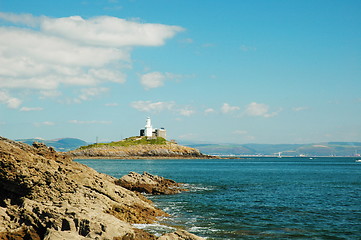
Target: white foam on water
pixel 155 228
pixel 198 188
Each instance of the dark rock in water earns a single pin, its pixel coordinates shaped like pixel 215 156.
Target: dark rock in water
pixel 148 183
pixel 45 195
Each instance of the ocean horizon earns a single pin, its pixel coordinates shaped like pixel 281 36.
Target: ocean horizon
pixel 254 198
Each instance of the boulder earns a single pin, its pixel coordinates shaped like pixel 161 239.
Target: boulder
pixel 148 183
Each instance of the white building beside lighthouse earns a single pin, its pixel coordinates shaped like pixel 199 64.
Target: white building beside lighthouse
pixel 149 131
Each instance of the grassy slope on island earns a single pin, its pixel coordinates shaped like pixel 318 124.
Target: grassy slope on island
pixel 131 141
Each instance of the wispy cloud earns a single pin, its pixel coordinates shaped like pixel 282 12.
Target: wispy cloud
pixel 29 109
pixel 298 109
pixel 88 93
pixel 149 106
pixel 157 107
pixel 45 123
pixel 209 110
pixel 9 101
pixel 240 132
pixel 226 108
pixel 157 79
pixel 152 80
pixel 89 122
pixel 187 111
pixel 260 110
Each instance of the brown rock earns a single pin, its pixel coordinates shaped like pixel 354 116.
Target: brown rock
pixel 45 195
pixel 148 183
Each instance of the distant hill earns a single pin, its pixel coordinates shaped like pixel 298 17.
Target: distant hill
pixel 318 149
pixel 314 149
pixel 61 144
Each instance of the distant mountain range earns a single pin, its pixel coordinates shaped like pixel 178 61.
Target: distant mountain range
pixel 316 149
pixel 60 145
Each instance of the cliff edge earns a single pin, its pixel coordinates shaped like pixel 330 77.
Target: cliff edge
pixel 45 195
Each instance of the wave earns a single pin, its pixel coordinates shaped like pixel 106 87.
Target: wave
pixel 155 228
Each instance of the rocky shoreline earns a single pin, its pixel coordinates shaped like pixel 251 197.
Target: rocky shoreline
pixel 46 195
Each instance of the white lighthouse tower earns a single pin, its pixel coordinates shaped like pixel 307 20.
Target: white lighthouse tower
pixel 148 131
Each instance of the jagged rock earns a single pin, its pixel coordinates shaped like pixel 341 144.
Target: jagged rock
pixel 45 195
pixel 148 183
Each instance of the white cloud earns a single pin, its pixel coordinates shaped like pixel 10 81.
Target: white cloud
pixel 148 106
pixel 209 110
pixel 240 132
pixel 9 101
pixel 26 19
pixel 156 107
pixel 89 122
pixel 29 109
pixel 157 79
pixel 44 53
pixel 186 111
pixel 226 108
pixel 298 109
pixel 109 31
pixel 187 40
pixel 45 123
pixel 88 93
pixel 260 110
pixel 152 80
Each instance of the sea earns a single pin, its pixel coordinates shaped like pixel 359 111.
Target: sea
pixel 254 198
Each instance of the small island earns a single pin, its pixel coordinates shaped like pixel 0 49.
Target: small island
pixel 151 143
pixel 137 148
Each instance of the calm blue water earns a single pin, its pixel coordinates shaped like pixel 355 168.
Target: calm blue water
pixel 257 198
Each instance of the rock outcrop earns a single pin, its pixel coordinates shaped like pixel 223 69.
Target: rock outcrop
pixel 169 150
pixel 148 183
pixel 45 195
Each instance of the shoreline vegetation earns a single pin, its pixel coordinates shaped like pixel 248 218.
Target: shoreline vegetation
pixel 44 194
pixel 137 148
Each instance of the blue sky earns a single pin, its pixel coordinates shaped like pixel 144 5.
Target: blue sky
pixel 232 71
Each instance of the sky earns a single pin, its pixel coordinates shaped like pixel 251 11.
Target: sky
pixel 234 71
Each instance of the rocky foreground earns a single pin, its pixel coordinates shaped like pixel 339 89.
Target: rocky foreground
pixel 45 195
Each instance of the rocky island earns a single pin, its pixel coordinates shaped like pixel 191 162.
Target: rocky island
pixel 46 195
pixel 137 147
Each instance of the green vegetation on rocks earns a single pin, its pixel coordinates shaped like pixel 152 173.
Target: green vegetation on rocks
pixel 131 141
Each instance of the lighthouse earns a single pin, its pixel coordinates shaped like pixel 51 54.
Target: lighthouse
pixel 148 130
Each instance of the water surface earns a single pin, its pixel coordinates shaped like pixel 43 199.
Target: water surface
pixel 257 198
